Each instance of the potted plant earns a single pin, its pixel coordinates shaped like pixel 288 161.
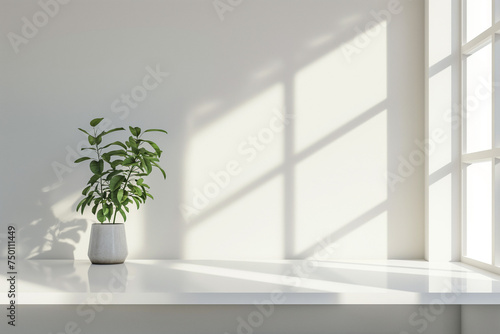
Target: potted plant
pixel 118 170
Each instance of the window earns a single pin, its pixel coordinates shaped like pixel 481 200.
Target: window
pixel 481 133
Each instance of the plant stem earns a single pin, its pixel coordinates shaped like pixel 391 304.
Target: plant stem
pixel 98 159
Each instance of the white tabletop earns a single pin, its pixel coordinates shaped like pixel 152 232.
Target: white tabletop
pixel 176 282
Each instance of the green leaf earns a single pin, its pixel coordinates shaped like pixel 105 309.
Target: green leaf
pixel 128 161
pixel 88 148
pixel 161 169
pixel 100 216
pixel 116 143
pixel 140 181
pixel 116 181
pixel 133 131
pixel 91 198
pixel 142 165
pixel 110 213
pixel 119 195
pixel 143 151
pixel 112 130
pixel 91 140
pixel 133 144
pixel 81 159
pixel 95 121
pixel 148 166
pixel 136 202
pixel 115 200
pixel 137 190
pixel 106 157
pixel 125 197
pixel 116 163
pixel 156 130
pixel 97 166
pixel 82 130
pixel 154 146
pixel 94 209
pixel 123 215
pixel 86 190
pixel 87 202
pixel 80 204
pixel 98 139
pixel 110 175
pixel 94 179
pixel 117 152
pixel 149 195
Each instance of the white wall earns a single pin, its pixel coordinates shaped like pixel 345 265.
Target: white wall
pixel 357 97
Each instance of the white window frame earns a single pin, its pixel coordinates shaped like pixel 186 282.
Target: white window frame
pixel 490 35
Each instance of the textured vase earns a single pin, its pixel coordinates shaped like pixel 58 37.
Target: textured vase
pixel 108 244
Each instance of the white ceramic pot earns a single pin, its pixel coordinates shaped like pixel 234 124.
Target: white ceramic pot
pixel 108 244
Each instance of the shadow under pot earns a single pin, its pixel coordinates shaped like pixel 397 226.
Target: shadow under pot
pixel 108 244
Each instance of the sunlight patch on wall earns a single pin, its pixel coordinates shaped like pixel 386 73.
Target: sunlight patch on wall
pixel 250 227
pixel 235 150
pixel 64 209
pixel 440 218
pixel 136 233
pixel 339 184
pixel 66 231
pixel 336 89
pixel 440 24
pixel 82 247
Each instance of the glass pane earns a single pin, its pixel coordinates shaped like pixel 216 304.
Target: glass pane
pixel 478 101
pixel 478 206
pixel 478 17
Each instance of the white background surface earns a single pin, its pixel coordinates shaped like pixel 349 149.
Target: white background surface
pixel 322 177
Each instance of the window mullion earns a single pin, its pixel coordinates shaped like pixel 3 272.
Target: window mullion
pixel 493 142
pixel 496 212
